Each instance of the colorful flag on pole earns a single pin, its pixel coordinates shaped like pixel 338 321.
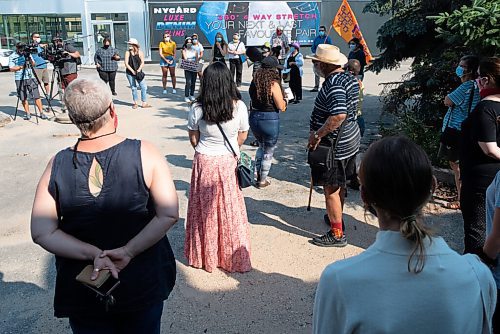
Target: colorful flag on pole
pixel 347 27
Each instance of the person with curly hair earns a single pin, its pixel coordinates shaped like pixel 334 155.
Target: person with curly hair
pixel 267 100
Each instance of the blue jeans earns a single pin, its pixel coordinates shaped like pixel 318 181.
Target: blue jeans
pixel 146 321
pixel 361 124
pixel 133 84
pixel 190 83
pixel 266 128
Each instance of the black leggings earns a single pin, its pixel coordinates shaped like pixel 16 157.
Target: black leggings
pixel 472 204
pixel 108 77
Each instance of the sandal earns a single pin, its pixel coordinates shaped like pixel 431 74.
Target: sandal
pixel 455 205
pixel 135 106
pixel 145 105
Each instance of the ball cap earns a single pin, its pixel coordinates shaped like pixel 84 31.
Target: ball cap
pixel 271 62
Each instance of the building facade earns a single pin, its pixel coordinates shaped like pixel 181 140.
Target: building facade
pixel 85 23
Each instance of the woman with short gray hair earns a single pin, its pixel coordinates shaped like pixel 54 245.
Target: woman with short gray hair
pixel 106 203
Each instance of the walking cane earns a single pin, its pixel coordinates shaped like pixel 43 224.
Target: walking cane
pixel 310 195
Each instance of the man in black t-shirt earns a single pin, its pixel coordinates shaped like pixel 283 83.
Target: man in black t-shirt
pixel 333 120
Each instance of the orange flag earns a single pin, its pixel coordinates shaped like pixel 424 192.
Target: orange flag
pixel 347 27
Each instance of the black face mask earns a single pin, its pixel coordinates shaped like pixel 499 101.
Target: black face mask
pixel 106 46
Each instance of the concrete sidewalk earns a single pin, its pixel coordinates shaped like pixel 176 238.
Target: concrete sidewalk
pixel 276 297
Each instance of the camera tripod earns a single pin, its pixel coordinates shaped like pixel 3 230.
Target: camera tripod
pixel 28 90
pixel 56 75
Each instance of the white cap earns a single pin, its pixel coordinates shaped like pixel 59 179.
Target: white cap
pixel 133 41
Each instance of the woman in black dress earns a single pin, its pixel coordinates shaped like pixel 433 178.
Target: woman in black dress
pixel 293 66
pixel 220 48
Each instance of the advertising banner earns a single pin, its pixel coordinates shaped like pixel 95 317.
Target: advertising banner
pixel 255 21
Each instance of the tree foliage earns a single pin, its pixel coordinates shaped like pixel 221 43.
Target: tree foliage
pixel 433 35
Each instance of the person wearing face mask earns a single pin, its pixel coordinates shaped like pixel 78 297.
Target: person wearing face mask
pixel 167 49
pixel 480 153
pixel 236 49
pixel 220 48
pixel 334 138
pixel 189 53
pixel 134 62
pixel 293 66
pixel 460 102
pixel 40 64
pixel 106 61
pixel 321 38
pixel 280 39
pixel 199 48
pixel 356 51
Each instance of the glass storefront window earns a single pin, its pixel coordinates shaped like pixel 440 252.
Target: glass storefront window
pixel 18 28
pixel 110 17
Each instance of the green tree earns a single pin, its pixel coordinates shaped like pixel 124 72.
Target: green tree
pixel 421 31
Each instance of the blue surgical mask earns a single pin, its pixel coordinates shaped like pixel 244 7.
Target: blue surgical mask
pixel 292 49
pixel 195 41
pixel 322 33
pixel 459 71
pixel 352 47
pixel 218 39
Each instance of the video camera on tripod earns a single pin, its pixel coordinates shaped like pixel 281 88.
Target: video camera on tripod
pixel 55 53
pixel 26 50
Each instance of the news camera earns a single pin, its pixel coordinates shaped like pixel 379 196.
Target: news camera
pixel 55 53
pixel 26 50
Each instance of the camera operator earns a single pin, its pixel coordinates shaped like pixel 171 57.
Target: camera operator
pixel 40 64
pixel 25 85
pixel 69 61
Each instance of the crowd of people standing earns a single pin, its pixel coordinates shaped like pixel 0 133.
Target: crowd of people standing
pixel 401 270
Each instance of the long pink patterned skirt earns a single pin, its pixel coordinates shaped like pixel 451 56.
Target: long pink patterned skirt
pixel 217 229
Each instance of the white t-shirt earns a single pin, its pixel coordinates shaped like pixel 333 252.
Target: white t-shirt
pixel 232 46
pixel 211 140
pixel 198 47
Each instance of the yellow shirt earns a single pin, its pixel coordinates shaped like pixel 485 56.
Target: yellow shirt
pixel 167 48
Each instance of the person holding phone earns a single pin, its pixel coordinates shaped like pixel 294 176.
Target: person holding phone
pixel 107 202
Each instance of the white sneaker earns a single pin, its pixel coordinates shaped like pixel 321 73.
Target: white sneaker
pixel 192 98
pixel 164 91
pixel 174 91
pixel 186 99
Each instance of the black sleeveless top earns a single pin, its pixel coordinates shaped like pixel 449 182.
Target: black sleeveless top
pixel 134 61
pixel 259 105
pixel 217 54
pixel 122 209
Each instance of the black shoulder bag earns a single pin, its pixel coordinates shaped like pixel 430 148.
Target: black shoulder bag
pixel 450 137
pixel 139 75
pixel 244 174
pixel 321 160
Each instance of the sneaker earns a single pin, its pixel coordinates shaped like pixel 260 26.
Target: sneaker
pixel 174 91
pixel 315 89
pixel 27 117
pixel 43 116
pixel 164 91
pixel 114 93
pixel 329 240
pixel 186 99
pixel 192 98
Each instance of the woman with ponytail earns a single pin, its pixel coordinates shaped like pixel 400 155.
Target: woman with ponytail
pixel 408 281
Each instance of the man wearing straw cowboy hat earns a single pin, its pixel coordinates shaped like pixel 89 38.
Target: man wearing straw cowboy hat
pixel 334 138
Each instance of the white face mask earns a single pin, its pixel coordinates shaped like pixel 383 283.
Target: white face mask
pixel 167 39
pixel 37 40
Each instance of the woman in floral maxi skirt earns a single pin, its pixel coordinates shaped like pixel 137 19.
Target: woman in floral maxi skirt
pixel 217 229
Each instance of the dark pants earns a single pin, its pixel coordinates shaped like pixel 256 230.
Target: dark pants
pixel 496 315
pixel 108 77
pixel 190 83
pixel 361 124
pixel 472 204
pixel 266 128
pixel 235 65
pixel 296 83
pixel 147 321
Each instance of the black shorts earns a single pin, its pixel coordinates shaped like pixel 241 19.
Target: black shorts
pixel 29 89
pixel 337 176
pixel 449 153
